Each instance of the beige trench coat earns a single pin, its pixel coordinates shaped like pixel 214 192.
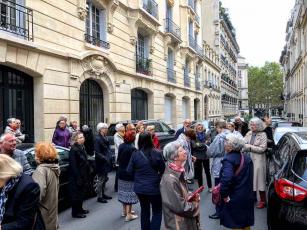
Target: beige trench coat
pixel 257 153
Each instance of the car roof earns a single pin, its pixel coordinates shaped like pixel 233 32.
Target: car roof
pixel 280 131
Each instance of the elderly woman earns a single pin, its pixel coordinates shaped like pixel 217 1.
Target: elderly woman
pixel 178 212
pixel 236 186
pixel 79 170
pixel 19 198
pixel 256 145
pixel 61 135
pixel 231 128
pixel 118 140
pixel 47 176
pixel 73 128
pixel 199 150
pixel 126 194
pixel 103 161
pixel 185 140
pixel 139 130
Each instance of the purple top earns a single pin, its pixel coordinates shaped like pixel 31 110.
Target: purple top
pixel 61 137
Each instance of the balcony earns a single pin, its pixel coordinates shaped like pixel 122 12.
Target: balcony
pixel 197 81
pixel 172 28
pixel 171 75
pixel 96 41
pixel 200 51
pixel 191 4
pixel 143 65
pixel 151 7
pixel 186 77
pixel 16 19
pixel 192 42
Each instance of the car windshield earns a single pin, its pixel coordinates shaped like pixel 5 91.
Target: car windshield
pixel 300 169
pixel 284 124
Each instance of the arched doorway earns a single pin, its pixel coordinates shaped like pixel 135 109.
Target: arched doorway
pixel 91 104
pixel 16 99
pixel 139 105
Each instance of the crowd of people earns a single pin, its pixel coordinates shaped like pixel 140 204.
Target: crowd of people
pixel 158 180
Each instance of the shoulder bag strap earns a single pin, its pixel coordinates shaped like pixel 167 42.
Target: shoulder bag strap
pixel 241 165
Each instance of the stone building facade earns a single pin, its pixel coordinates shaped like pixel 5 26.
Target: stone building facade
pixel 105 60
pixel 243 85
pixel 294 63
pixel 229 51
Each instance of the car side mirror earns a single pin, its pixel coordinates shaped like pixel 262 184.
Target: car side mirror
pixel 171 131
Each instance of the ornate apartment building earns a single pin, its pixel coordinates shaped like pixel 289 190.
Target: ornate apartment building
pixel 294 63
pixel 229 51
pixel 243 85
pixel 108 60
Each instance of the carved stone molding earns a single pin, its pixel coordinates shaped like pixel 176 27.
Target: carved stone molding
pixel 111 7
pixel 97 65
pixel 170 3
pixel 82 10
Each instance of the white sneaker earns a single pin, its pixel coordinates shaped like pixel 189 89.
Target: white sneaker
pixel 124 213
pixel 130 217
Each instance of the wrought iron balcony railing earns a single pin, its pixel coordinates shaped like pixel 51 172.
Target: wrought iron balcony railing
pixel 171 27
pixel 186 77
pixel 16 19
pixel 197 18
pixel 171 75
pixel 96 41
pixel 197 81
pixel 143 65
pixel 192 42
pixel 200 51
pixel 151 7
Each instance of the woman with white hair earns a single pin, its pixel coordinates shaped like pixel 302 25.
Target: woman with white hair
pixel 256 145
pixel 19 198
pixel 178 212
pixel 118 140
pixel 103 161
pixel 236 186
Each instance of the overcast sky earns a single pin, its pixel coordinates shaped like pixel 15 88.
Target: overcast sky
pixel 260 27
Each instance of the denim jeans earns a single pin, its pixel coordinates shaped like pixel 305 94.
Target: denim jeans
pixel 155 202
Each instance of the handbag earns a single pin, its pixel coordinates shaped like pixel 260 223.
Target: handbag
pixel 216 195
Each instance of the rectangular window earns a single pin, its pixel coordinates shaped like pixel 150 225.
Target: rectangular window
pixel 96 33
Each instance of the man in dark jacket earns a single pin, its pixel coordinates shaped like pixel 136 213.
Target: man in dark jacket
pixel 186 125
pixel 103 161
pixel 241 126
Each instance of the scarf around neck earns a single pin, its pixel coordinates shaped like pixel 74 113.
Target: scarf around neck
pixel 176 168
pixel 4 194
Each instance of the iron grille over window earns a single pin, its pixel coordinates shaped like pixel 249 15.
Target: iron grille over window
pixel 171 27
pixel 143 65
pixel 96 26
pixel 186 77
pixel 171 75
pixel 16 19
pixel 197 81
pixel 151 7
pixel 192 42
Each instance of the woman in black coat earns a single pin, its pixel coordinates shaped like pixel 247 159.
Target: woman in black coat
pixel 20 211
pixel 236 186
pixel 79 171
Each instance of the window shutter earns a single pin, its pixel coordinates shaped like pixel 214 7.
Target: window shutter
pixel 103 25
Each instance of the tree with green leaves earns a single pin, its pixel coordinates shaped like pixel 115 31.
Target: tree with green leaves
pixel 265 86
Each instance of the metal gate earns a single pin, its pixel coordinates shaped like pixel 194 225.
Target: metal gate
pixel 16 99
pixel 91 104
pixel 139 105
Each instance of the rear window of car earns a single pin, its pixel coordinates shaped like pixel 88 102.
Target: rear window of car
pixel 300 168
pixel 282 124
pixel 158 127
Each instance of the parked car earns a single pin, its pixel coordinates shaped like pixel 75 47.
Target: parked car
pixel 164 133
pixel 282 123
pixel 287 188
pixel 29 151
pixel 280 131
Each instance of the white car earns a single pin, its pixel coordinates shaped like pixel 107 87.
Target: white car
pixel 280 131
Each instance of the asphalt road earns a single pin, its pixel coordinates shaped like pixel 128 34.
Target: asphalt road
pixel 108 216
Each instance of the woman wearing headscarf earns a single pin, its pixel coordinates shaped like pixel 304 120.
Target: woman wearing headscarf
pixel 19 198
pixel 185 140
pixel 126 195
pixel 79 171
pixel 178 212
pixel 256 145
pixel 47 176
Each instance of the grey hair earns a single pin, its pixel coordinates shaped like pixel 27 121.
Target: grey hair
pixel 170 151
pixel 63 117
pixel 258 122
pixel 102 126
pixel 236 142
pixel 10 120
pixel 119 126
pixel 85 128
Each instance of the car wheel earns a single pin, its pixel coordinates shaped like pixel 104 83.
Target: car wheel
pixel 273 207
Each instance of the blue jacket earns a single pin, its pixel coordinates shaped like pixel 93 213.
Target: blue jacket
pixel 179 131
pixel 239 211
pixel 147 173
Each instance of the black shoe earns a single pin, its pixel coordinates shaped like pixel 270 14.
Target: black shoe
pixel 214 216
pixel 85 211
pixel 106 197
pixel 101 200
pixel 79 215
